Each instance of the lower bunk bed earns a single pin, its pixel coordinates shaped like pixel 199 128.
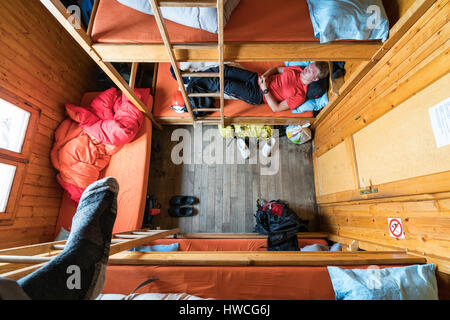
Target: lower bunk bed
pixel 235 111
pixel 239 269
pixel 228 282
pixel 132 160
pixel 234 267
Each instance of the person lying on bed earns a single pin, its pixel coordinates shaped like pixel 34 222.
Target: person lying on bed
pixel 282 88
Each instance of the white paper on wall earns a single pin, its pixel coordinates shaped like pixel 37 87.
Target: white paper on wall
pixel 440 122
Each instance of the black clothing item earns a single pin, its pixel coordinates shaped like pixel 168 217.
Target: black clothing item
pixel 239 83
pixel 199 102
pixel 281 224
pixel 338 69
pixel 317 89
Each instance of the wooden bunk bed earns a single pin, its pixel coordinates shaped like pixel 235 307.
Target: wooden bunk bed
pixel 293 40
pixel 235 270
pixel 110 37
pixel 236 111
pixel 106 53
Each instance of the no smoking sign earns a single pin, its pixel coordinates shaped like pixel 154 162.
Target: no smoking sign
pixel 396 228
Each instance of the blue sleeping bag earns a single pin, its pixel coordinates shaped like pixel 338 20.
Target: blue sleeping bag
pixel 348 20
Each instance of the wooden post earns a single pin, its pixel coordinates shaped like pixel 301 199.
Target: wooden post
pixel 58 10
pixel 220 24
pixel 92 18
pixel 134 68
pixel 173 61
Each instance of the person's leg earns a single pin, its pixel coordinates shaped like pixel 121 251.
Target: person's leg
pixel 78 272
pixel 243 84
pixel 245 91
pixel 10 290
pixel 239 83
pixel 210 84
pixel 240 74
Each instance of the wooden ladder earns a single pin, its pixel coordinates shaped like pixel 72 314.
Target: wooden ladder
pixel 156 5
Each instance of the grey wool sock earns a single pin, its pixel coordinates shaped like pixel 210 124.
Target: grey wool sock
pixel 10 290
pixel 78 272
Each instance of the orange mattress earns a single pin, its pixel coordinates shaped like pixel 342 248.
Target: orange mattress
pixel 252 20
pixel 166 86
pixel 229 244
pixel 133 160
pixel 225 282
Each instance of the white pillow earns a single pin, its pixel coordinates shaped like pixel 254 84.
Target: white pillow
pixel 62 235
pixel 195 17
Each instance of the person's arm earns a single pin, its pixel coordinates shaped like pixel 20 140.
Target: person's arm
pixel 271 101
pixel 274 105
pixel 273 71
pixel 280 69
pixel 270 72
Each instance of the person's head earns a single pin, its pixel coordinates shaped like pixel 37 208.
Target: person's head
pixel 315 71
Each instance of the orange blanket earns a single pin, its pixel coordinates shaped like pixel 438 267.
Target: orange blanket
pixel 78 158
pixel 86 140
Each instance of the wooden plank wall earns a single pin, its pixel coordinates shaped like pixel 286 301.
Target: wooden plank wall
pixel 43 66
pixel 426 225
pixel 394 10
pixel 416 61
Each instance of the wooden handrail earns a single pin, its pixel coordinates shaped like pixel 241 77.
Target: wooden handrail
pixel 264 258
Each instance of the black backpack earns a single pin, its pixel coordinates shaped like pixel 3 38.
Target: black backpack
pixel 281 224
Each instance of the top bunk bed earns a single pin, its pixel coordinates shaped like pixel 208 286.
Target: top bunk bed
pixel 257 30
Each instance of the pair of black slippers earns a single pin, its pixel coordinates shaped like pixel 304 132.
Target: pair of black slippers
pixel 181 206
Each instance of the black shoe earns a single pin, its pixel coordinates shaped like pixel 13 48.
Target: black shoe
pixel 182 201
pixel 181 212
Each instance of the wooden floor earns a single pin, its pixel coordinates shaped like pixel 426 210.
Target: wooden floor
pixel 228 192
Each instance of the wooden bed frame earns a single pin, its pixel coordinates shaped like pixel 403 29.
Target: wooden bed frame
pixel 15 263
pixel 369 53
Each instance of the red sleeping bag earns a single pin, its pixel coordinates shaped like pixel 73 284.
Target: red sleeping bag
pixel 85 141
